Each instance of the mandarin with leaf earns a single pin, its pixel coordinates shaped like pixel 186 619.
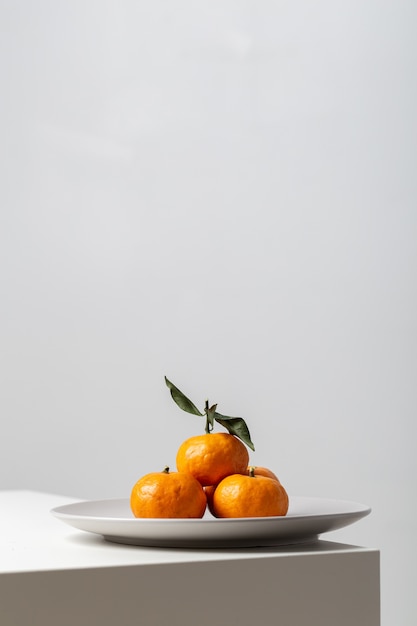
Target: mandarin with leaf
pixel 212 456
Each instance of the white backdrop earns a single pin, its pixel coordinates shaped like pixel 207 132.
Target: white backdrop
pixel 224 193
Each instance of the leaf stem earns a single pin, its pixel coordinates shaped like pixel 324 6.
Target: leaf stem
pixel 206 411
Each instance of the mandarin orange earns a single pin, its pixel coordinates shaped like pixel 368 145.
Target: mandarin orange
pixel 168 495
pixel 262 471
pixel 209 491
pixel 212 456
pixel 249 496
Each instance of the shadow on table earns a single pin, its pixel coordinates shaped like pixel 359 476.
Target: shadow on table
pixel 318 545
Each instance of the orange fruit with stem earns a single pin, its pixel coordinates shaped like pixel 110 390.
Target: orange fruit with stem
pixel 258 471
pixel 261 471
pixel 212 456
pixel 168 495
pixel 249 496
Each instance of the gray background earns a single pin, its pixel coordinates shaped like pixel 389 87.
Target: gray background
pixel 224 193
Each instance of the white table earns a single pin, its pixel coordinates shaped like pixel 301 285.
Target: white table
pixel 52 574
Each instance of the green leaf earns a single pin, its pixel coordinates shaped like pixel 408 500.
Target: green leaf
pixel 236 426
pixel 179 398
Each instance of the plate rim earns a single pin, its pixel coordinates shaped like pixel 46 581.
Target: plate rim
pixel 61 511
pixel 210 532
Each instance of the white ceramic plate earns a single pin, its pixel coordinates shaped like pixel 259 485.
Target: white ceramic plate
pixel 307 518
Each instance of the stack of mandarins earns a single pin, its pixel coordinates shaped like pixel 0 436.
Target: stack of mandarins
pixel 213 472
